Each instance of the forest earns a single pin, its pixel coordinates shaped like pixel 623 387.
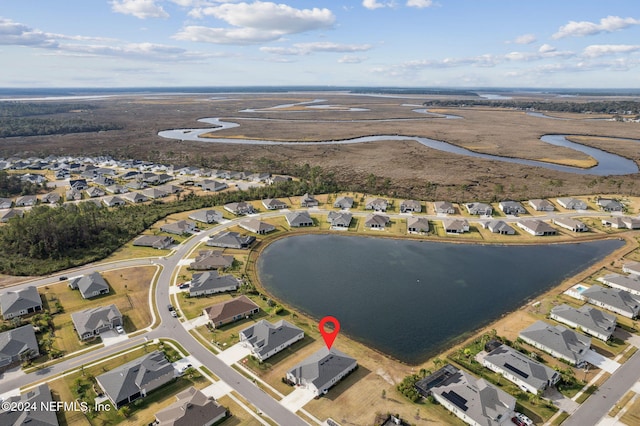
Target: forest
pixel 11 185
pixel 27 109
pixel 601 107
pixel 11 127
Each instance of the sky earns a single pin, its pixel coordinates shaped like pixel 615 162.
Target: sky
pixel 400 43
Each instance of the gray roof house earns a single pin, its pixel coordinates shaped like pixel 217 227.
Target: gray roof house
pixel 26 201
pixel 455 226
pixel 474 401
pixel 16 345
pixel 113 201
pixel 117 189
pixel 376 221
pixel 630 283
pixel 570 224
pixel 154 193
pixel 273 204
pixel 614 300
pixel 230 311
pixel 511 207
pixel 180 227
pixel 94 191
pixel 51 198
pixel 39 397
pixel 212 185
pixel 443 207
pixel 256 226
pixel 210 282
pixel 528 374
pixel 91 322
pixel 266 339
pixel 6 215
pixel 407 206
pixel 135 197
pixel 499 227
pixel 418 225
pixel 308 201
pixel 239 208
pixel 377 204
pixel 21 302
pixel 541 205
pixel 631 268
pixel 558 341
pixel 339 220
pixel 137 378
pixel 592 321
pixel 6 203
pixel 228 239
pixel 322 370
pixel 299 219
pixel 479 209
pixel 211 259
pixel 90 285
pixel 622 222
pixel 343 203
pixel 536 227
pixel 572 203
pixel 192 408
pixel 610 205
pixel 73 195
pixel 206 216
pixel 155 241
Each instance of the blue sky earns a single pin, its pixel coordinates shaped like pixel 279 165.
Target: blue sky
pixel 447 43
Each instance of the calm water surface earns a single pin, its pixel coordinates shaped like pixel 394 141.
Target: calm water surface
pixel 410 299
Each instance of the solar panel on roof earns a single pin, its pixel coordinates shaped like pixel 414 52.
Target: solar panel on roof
pixel 516 370
pixel 456 399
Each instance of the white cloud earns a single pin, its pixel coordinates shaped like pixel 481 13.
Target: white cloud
pixel 525 39
pixel 139 8
pixel 546 48
pixel 596 50
pixel 226 35
pixel 351 59
pixel 14 33
pixel 323 46
pixel 420 4
pixel 373 4
pixel 585 28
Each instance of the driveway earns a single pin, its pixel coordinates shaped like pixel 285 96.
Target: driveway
pixel 234 354
pixel 601 362
pixel 111 337
pixel 297 399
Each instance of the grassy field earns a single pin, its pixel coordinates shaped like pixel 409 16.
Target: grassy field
pixel 632 416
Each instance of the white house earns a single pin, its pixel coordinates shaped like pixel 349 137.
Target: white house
pixel 266 339
pixel 322 370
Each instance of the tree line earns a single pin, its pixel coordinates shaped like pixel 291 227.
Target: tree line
pixel 26 109
pixel 21 126
pixel 600 107
pixel 11 185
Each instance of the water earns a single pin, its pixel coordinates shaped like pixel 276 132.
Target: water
pixel 410 299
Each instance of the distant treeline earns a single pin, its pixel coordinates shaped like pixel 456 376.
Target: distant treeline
pixel 11 126
pixel 600 107
pixel 27 109
pixel 48 239
pixel 11 185
pixel 413 91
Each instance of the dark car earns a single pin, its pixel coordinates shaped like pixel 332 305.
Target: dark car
pixel 518 421
pixel 62 278
pixel 170 307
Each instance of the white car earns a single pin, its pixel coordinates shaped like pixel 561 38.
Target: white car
pixel 119 329
pixel 174 314
pixel 526 420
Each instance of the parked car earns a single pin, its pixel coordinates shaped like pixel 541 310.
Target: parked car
pixel 119 329
pixel 517 421
pixel 184 285
pixel 63 278
pixel 524 419
pixel 170 307
pixel 174 314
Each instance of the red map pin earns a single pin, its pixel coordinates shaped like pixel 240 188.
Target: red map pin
pixel 329 336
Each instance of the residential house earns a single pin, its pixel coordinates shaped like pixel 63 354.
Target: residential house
pixel 91 322
pixel 343 203
pixel 479 209
pixel 113 201
pixel 136 379
pixel 273 204
pixel 622 222
pixel 443 207
pixel 135 197
pixel 21 302
pixel 407 206
pixel 78 184
pixel 155 241
pixel 376 204
pixel 90 285
pixel 256 226
pixel 499 227
pixel 417 225
pixel 572 203
pixel 6 215
pixel 230 311
pixel 630 283
pixel 34 413
pixel 211 282
pixel 94 192
pixel 240 208
pixel 206 216
pixel 6 203
pixel 17 345
pixel 511 207
pixel 278 179
pixel 322 370
pixel 266 339
pixel 308 201
pixel 51 198
pixel 136 185
pixel 614 300
pixel 299 219
pixel 170 189
pixel 536 227
pixel 474 401
pixel 212 185
pixel 541 205
pixel 228 239
pixel 631 268
pixel 211 259
pixel 154 193
pixel 117 189
pixel 590 320
pixel 180 227
pixel 526 373
pixel 150 178
pixel 73 195
pixel 558 341
pixel 610 205
pixel 104 181
pixel 376 221
pixel 192 408
pixel 164 178
pixel 26 201
pixel 339 220
pixel 570 224
pixel 455 226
